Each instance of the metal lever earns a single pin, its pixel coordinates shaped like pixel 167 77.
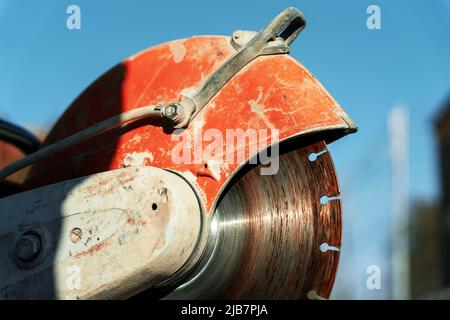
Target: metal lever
pixel 291 22
pixel 287 25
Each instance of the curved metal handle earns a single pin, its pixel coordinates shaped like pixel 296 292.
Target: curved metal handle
pixel 286 25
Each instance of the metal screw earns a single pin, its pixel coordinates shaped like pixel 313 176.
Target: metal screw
pixel 172 111
pixel 28 247
pixel 75 235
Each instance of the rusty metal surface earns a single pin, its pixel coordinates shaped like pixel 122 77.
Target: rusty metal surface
pixel 272 92
pixel 110 235
pixel 268 234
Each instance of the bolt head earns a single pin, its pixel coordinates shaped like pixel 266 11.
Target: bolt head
pixel 172 111
pixel 75 235
pixel 28 247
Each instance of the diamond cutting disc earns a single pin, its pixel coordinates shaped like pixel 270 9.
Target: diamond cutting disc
pixel 271 237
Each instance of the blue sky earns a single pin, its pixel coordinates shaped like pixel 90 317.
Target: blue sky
pixel 44 66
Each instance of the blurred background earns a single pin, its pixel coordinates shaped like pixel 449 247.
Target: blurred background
pixel 393 81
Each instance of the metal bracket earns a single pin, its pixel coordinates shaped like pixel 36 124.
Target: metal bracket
pixel 276 46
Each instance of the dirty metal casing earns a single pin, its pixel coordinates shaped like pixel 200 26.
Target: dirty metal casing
pixel 273 92
pixel 109 235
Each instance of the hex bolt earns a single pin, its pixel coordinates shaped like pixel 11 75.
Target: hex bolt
pixel 75 235
pixel 28 247
pixel 173 112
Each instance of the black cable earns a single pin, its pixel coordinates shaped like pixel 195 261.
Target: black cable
pixel 19 137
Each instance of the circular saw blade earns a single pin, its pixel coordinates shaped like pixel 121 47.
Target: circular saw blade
pixel 271 237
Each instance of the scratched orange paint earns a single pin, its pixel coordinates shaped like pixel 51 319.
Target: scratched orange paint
pixel 273 92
